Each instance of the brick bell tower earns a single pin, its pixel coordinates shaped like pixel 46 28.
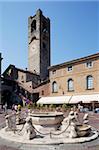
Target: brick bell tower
pixel 39 44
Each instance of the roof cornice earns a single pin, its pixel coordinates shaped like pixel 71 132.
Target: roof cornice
pixel 75 61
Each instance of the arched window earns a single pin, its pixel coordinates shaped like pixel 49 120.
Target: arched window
pixel 70 85
pixel 33 25
pixel 89 81
pixel 54 87
pixel 44 28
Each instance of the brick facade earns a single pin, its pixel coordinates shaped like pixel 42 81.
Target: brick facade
pixel 43 89
pixel 78 74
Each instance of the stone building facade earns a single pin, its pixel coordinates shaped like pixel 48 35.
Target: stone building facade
pixel 25 82
pixel 22 76
pixel 39 44
pixel 80 76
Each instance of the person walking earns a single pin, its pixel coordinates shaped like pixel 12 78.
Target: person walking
pixel 16 108
pixel 19 107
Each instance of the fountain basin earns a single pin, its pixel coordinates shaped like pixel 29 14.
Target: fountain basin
pixel 47 121
pixel 83 130
pixel 46 140
pixel 47 118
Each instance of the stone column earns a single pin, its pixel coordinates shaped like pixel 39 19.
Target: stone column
pixel 18 117
pixel 10 122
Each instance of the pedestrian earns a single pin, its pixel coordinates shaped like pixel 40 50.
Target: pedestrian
pixel 16 108
pixel 19 107
pixel 13 107
pixel 5 109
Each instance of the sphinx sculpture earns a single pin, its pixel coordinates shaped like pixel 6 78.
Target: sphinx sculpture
pixel 29 131
pixel 74 127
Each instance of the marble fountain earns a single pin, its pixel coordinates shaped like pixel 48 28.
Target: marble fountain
pixel 48 128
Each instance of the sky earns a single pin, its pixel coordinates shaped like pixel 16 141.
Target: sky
pixel 74 29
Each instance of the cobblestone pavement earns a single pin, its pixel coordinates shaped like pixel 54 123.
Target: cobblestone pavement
pixel 93 145
pixel 7 148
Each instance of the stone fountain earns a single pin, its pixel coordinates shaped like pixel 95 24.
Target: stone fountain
pixel 47 121
pixel 48 128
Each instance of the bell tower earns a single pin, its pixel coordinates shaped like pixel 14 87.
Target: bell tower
pixel 39 44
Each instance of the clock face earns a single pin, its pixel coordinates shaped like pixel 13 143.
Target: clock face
pixel 33 48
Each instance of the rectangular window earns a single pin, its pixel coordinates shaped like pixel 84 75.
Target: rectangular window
pixel 70 68
pixel 42 92
pixel 54 72
pixel 22 77
pixel 89 64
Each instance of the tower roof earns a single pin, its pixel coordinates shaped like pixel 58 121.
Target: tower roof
pixel 39 11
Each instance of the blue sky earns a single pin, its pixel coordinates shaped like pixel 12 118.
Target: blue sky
pixel 74 29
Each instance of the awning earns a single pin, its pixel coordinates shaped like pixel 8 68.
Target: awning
pixel 54 100
pixel 84 98
pixel 69 99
